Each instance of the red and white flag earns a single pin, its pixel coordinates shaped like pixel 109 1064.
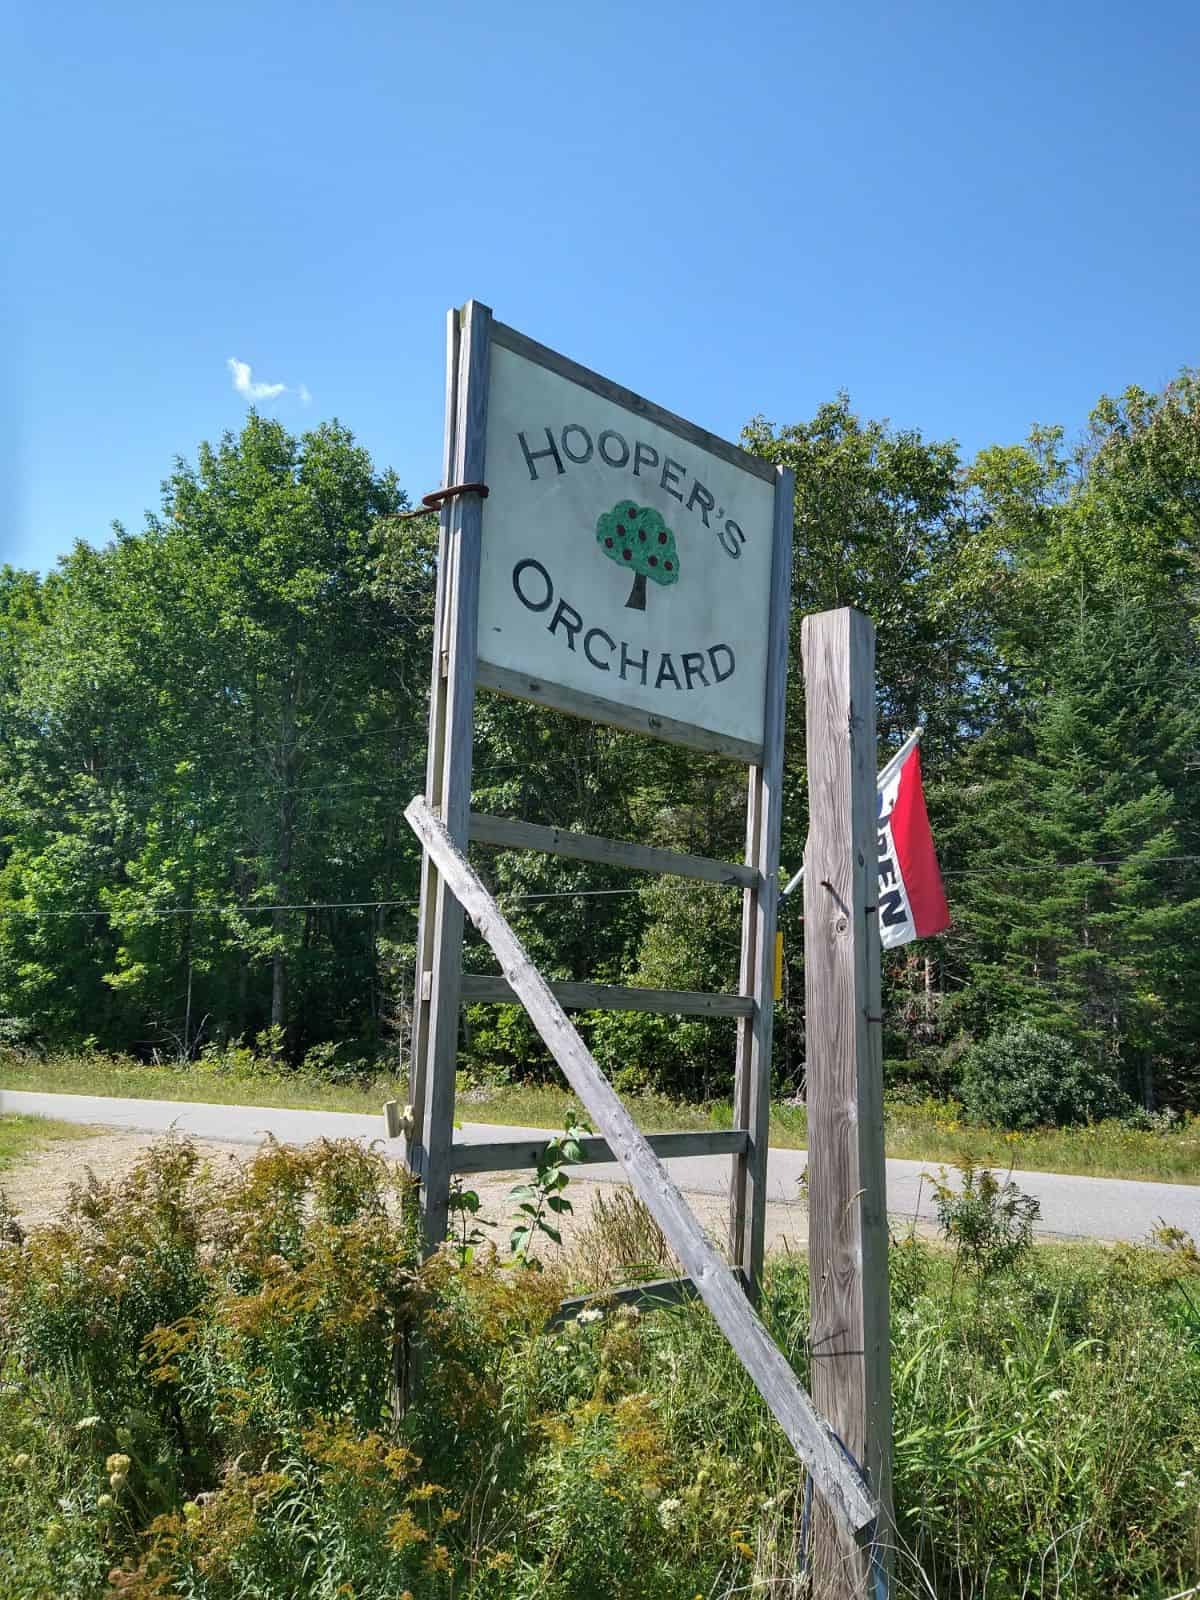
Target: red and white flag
pixel 912 902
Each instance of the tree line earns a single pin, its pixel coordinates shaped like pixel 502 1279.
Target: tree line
pixel 209 729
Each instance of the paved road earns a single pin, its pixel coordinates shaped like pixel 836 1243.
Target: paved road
pixel 1100 1208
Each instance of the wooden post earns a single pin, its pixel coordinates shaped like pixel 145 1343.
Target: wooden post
pixel 854 1508
pixel 848 1238
pixel 760 904
pixel 434 758
pixel 448 769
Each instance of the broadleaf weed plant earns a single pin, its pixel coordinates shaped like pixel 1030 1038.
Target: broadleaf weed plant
pixel 545 1193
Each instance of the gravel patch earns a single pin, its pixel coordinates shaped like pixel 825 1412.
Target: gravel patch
pixel 38 1185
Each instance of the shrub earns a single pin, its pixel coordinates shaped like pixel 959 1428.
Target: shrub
pixel 988 1221
pixel 1023 1077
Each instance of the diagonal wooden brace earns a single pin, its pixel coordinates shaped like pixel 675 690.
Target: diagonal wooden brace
pixel 834 1478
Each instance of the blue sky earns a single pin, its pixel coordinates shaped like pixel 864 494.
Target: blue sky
pixel 973 217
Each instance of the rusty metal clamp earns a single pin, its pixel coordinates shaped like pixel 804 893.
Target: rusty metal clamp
pixel 435 500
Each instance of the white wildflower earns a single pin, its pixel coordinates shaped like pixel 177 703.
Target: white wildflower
pixel 668 1513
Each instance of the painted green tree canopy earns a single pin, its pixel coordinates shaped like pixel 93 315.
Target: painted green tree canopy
pixel 637 537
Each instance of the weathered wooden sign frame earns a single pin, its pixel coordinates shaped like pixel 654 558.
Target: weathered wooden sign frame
pixel 845 1437
pixel 441 986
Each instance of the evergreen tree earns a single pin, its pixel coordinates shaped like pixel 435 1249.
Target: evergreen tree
pixel 1074 910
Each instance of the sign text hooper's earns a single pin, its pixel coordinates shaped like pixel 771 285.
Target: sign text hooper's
pixel 632 569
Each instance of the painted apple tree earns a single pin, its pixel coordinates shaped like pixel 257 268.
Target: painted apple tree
pixel 637 537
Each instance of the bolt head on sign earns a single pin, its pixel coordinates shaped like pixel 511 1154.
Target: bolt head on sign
pixel 626 555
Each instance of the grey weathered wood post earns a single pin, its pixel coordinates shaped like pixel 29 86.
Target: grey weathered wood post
pixel 851 1381
pixel 448 766
pixel 760 906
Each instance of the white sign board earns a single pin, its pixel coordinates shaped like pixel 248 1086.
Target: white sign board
pixel 626 556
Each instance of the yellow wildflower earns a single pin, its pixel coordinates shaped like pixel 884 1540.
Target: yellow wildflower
pixel 404 1530
pixel 425 1491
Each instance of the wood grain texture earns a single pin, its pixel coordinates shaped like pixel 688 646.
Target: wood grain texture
pixel 592 708
pixel 837 1481
pixel 434 767
pixel 480 988
pixel 760 909
pixel 518 1155
pixel 461 620
pixel 512 835
pixel 739 1177
pixel 846 1173
pixel 520 344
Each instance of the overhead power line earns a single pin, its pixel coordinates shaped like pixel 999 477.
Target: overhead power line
pixel 36 913
pixel 254 907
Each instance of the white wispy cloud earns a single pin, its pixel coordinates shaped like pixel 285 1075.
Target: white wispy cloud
pixel 243 382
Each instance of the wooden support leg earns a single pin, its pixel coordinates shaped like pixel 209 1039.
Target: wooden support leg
pixel 846 1189
pixel 764 808
pixel 434 772
pixel 435 1045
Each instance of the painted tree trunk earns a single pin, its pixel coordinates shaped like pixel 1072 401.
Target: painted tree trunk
pixel 637 595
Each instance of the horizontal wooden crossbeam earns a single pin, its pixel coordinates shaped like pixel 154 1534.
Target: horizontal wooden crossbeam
pixel 479 988
pixel 616 713
pixel 653 1296
pixel 518 1154
pixel 512 835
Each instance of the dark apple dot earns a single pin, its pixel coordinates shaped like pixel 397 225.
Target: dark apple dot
pixel 653 561
pixel 642 535
pixel 628 554
pixel 662 538
pixel 668 566
pixel 620 530
pixel 608 544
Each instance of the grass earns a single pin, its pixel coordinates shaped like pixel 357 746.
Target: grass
pixel 21 1136
pixel 198 1396
pixel 931 1130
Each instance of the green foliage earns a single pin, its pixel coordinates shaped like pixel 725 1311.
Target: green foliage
pixel 197 716
pixel 212 717
pixel 988 1220
pixel 1023 1077
pixel 204 1392
pixel 466 1225
pixel 543 1193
